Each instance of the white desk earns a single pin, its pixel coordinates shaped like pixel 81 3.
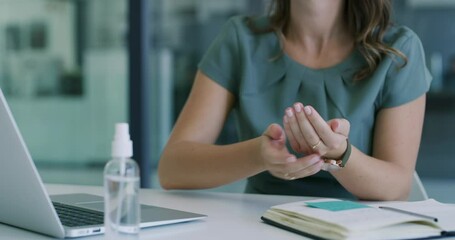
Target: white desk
pixel 230 215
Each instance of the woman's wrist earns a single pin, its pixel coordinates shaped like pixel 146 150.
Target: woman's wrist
pixel 259 152
pixel 347 153
pixel 339 152
pixel 338 163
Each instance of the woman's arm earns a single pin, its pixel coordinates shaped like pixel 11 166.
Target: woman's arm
pixel 190 159
pixel 387 175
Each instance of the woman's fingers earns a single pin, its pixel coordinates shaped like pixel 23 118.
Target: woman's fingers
pixel 279 162
pixel 334 142
pixel 309 170
pixel 340 125
pixel 300 132
pixel 308 131
pixel 302 167
pixel 295 145
pixel 274 153
pixel 293 127
pixel 322 129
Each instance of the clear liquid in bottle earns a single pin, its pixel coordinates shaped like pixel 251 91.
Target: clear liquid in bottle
pixel 121 189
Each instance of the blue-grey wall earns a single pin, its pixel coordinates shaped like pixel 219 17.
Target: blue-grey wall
pixel 434 25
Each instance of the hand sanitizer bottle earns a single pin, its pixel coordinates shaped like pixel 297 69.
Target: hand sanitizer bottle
pixel 121 188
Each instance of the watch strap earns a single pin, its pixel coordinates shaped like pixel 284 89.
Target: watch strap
pixel 346 154
pixel 332 165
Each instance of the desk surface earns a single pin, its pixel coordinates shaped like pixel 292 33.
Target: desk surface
pixel 230 215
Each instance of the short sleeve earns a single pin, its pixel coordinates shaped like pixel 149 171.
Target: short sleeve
pixel 222 60
pixel 406 83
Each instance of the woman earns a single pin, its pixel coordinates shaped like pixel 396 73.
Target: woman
pixel 348 87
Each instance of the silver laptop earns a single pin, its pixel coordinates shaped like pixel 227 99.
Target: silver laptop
pixel 24 202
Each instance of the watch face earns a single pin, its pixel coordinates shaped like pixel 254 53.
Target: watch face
pixel 331 165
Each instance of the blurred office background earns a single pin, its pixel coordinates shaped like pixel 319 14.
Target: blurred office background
pixel 65 70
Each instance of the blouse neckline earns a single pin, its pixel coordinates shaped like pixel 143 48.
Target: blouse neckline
pixel 347 63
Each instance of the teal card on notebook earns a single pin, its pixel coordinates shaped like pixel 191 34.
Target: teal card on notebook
pixel 337 205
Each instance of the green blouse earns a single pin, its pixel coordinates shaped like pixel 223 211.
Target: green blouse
pixel 243 63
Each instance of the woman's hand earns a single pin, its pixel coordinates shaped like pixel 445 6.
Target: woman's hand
pixel 309 133
pixel 279 162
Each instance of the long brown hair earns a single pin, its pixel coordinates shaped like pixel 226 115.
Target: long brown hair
pixel 367 20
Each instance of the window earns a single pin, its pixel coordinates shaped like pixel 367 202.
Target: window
pixel 64 73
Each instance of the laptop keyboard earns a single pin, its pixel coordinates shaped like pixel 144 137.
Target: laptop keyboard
pixel 73 216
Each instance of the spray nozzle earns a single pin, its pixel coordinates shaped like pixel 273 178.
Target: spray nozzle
pixel 122 146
